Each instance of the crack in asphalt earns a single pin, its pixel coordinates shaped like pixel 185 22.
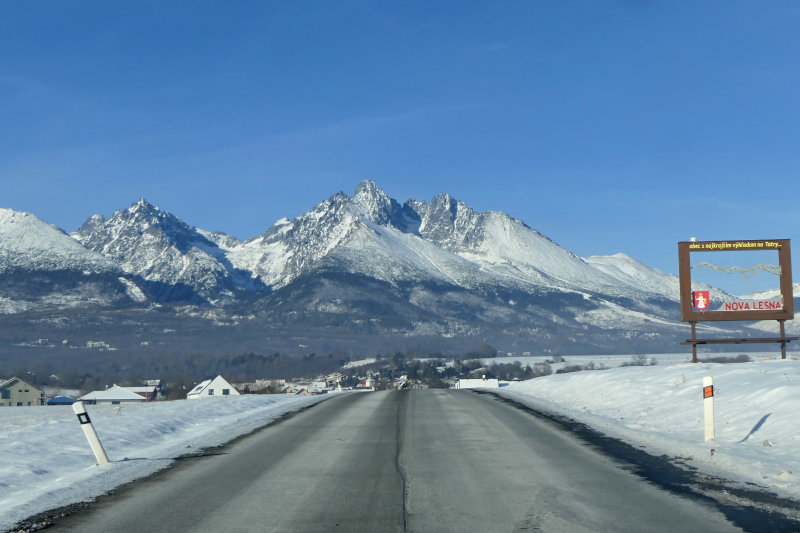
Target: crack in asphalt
pixel 398 466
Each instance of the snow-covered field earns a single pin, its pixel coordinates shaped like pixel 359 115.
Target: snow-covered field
pixel 607 360
pixel 617 360
pixel 47 463
pixel 661 409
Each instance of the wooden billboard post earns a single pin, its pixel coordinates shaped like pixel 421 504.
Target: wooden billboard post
pixel 696 306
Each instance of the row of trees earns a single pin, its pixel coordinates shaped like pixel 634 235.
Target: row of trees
pixel 180 373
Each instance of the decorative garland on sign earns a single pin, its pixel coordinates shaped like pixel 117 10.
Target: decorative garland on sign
pixel 772 269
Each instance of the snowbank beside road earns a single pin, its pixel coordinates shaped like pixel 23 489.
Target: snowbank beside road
pixel 660 408
pixel 47 462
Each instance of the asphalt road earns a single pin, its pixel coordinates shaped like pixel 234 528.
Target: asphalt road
pixel 421 460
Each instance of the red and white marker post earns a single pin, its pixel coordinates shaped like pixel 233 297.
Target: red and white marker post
pixel 91 434
pixel 708 406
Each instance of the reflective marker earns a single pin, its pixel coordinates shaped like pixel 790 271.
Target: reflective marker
pixel 91 434
pixel 708 406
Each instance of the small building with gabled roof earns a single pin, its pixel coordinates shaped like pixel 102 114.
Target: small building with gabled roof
pixel 210 388
pixel 148 393
pixel 115 395
pixel 16 393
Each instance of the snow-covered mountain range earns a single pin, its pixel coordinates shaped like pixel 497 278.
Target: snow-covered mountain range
pixel 444 241
pixel 363 261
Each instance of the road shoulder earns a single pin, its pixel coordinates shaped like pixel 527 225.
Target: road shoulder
pixel 751 507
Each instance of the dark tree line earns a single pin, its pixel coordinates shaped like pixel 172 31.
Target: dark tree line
pixel 181 372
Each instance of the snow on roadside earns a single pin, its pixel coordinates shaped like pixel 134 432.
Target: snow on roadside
pixel 47 462
pixel 660 408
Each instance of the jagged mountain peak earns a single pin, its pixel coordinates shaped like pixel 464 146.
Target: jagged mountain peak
pixel 142 203
pixel 446 205
pixel 161 249
pixel 416 204
pixel 443 198
pixel 370 188
pixel 335 199
pixel 372 202
pixel 98 233
pixel 144 209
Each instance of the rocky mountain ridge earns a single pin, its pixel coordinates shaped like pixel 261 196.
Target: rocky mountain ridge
pixel 360 265
pixel 177 261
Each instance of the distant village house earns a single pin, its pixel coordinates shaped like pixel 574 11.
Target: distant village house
pixel 96 344
pixel 16 393
pixel 210 388
pixel 148 393
pixel 113 396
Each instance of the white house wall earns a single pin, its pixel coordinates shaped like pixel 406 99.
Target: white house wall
pixel 19 392
pixel 478 383
pixel 217 385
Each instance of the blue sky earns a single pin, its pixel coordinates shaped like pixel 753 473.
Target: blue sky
pixel 610 127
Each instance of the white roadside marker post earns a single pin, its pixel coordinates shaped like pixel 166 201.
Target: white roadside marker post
pixel 708 406
pixel 91 434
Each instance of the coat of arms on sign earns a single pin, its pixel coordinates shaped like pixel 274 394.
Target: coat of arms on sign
pixel 701 300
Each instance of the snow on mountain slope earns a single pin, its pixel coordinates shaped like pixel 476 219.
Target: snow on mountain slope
pixel 157 246
pixel 628 270
pixel 391 255
pixel 43 268
pixel 289 248
pixel 791 327
pixel 29 243
pixel 224 241
pixel 505 246
pixel 771 293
